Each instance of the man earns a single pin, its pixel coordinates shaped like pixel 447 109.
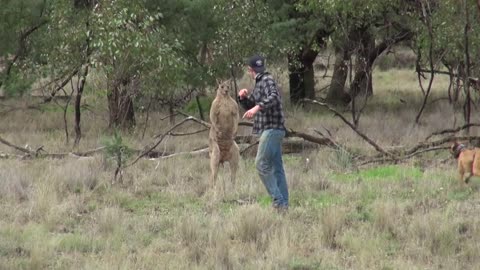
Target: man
pixel 264 104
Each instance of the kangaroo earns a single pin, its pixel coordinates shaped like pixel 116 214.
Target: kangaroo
pixel 224 117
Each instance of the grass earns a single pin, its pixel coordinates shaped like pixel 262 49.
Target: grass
pixel 67 214
pixel 383 173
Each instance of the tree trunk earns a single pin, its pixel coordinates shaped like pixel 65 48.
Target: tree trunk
pixel 120 103
pixel 78 100
pixel 336 93
pixel 171 111
pixel 466 79
pixel 368 53
pixel 478 5
pixel 297 87
pixel 200 109
pixel 362 82
pixel 301 75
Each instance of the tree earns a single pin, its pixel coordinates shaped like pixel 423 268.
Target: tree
pixel 363 30
pixel 20 20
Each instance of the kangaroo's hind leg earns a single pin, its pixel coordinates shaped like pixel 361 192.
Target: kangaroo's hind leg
pixel 214 163
pixel 234 161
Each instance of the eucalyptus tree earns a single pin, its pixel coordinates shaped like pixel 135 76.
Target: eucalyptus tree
pixel 191 25
pixel 129 45
pixel 281 30
pixel 20 20
pixel 362 29
pixel 300 33
pixel 447 39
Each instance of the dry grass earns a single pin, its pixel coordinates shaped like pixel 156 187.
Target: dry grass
pixel 66 214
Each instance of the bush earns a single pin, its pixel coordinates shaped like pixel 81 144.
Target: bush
pixel 17 84
pixel 116 150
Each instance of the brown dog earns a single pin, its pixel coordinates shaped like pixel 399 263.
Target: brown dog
pixel 224 117
pixel 468 161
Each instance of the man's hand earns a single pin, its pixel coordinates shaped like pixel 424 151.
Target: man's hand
pixel 243 93
pixel 250 113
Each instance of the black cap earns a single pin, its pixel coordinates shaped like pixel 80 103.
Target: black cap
pixel 257 63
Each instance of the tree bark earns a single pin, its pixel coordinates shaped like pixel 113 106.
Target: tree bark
pixel 478 5
pixel 80 87
pixel 466 81
pixel 120 103
pixel 171 112
pixel 301 75
pixel 362 82
pixel 336 93
pixel 78 100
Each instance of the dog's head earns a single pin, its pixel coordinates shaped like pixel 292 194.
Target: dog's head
pixel 456 149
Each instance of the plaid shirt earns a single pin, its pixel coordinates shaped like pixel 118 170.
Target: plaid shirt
pixel 265 94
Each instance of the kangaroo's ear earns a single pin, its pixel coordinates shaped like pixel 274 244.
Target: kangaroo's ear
pixel 218 81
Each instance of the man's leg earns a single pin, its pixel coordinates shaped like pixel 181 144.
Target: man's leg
pixel 278 170
pixel 264 164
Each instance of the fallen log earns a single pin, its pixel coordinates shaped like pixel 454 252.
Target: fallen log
pixel 289 146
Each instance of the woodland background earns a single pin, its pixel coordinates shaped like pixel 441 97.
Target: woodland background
pixel 104 119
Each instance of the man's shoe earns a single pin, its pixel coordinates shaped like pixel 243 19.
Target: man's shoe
pixel 281 208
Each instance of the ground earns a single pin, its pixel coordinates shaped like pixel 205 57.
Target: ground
pixel 67 214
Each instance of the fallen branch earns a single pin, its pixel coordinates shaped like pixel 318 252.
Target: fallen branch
pixel 160 140
pixel 363 136
pixel 87 153
pixel 207 124
pixel 191 153
pixel 310 138
pixel 439 142
pixel 40 152
pixel 21 149
pixel 248 147
pixel 447 131
pixel 199 121
pixel 420 149
pixel 290 132
pixel 184 133
pixel 380 160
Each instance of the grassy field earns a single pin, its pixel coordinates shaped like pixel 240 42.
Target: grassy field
pixel 67 214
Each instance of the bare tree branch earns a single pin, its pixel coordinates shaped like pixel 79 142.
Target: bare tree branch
pixel 446 131
pixel 40 152
pixel 21 47
pixel 352 126
pixel 21 149
pixel 428 23
pixel 160 140
pixel 384 159
pixel 439 142
pixel 248 147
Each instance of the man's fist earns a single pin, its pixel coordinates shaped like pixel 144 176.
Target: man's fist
pixel 243 93
pixel 250 113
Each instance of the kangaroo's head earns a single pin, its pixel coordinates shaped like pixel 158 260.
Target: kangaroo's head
pixel 223 88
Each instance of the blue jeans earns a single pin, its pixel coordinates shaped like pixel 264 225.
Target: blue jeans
pixel 269 165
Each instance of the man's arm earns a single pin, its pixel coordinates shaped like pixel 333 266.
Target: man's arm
pixel 273 97
pixel 246 101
